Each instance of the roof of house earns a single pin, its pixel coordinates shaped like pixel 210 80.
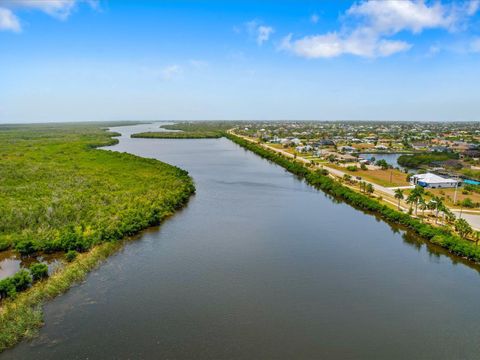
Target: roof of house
pixel 433 178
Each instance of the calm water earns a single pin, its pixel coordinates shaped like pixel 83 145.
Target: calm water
pixel 391 159
pixel 261 266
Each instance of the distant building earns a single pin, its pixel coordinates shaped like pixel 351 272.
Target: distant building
pixel 433 181
pixel 304 148
pixel 348 149
pixel 440 148
pixel 419 146
pixel 325 142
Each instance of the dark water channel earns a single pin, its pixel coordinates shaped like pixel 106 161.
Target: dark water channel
pixel 261 266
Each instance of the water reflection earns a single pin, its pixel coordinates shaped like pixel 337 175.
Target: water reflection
pixel 11 262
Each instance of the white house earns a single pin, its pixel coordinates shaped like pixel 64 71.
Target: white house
pixel 433 181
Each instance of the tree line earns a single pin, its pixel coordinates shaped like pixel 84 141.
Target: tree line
pixel 443 237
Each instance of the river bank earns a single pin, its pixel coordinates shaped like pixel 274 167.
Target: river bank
pixel 261 264
pixel 77 204
pixel 438 236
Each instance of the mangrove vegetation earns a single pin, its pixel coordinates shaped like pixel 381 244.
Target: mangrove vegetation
pixel 60 194
pixel 189 130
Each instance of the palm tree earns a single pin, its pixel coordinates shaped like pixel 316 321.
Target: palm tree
pixel 399 196
pixel 369 188
pixel 415 197
pixel 463 227
pixel 363 186
pixel 423 206
pixel 437 204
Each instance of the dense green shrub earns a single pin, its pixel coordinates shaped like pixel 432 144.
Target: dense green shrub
pixel 39 271
pixel 26 247
pixel 382 163
pixel 417 160
pixel 18 282
pixel 71 255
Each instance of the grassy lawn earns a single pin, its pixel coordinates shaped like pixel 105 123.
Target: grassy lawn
pixel 387 178
pixel 363 147
pixel 276 146
pixel 448 194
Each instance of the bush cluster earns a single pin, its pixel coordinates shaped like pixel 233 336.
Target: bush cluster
pixel 10 286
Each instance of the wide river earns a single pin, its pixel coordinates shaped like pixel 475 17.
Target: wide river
pixel 259 265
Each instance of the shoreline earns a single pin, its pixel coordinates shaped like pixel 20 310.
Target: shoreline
pixel 22 316
pixel 434 235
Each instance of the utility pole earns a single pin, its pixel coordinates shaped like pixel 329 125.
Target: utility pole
pixel 455 194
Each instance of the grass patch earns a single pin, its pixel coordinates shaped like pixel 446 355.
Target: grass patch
pixel 387 178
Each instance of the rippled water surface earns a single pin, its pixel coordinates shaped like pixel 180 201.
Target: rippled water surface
pixel 261 266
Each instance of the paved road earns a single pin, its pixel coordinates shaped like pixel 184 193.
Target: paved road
pixel 473 219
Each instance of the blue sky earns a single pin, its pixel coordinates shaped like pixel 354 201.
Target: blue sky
pixel 72 60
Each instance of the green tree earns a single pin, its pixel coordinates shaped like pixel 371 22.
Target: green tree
pixel 71 255
pixel 369 188
pixel 463 227
pixel 39 271
pixel 382 163
pixel 422 204
pixel 399 196
pixel 415 196
pixel 436 203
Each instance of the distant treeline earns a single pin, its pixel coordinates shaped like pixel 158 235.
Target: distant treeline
pixel 201 126
pixel 320 180
pixel 178 135
pixel 189 130
pixel 424 159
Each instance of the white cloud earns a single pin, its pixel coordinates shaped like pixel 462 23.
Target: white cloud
pixel 59 9
pixel 8 21
pixel 261 33
pixel 170 72
pixel 314 18
pixel 333 45
pixel 368 25
pixel 391 17
pixel 264 33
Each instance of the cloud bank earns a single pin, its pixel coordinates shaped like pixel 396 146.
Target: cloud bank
pixel 369 25
pixel 59 9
